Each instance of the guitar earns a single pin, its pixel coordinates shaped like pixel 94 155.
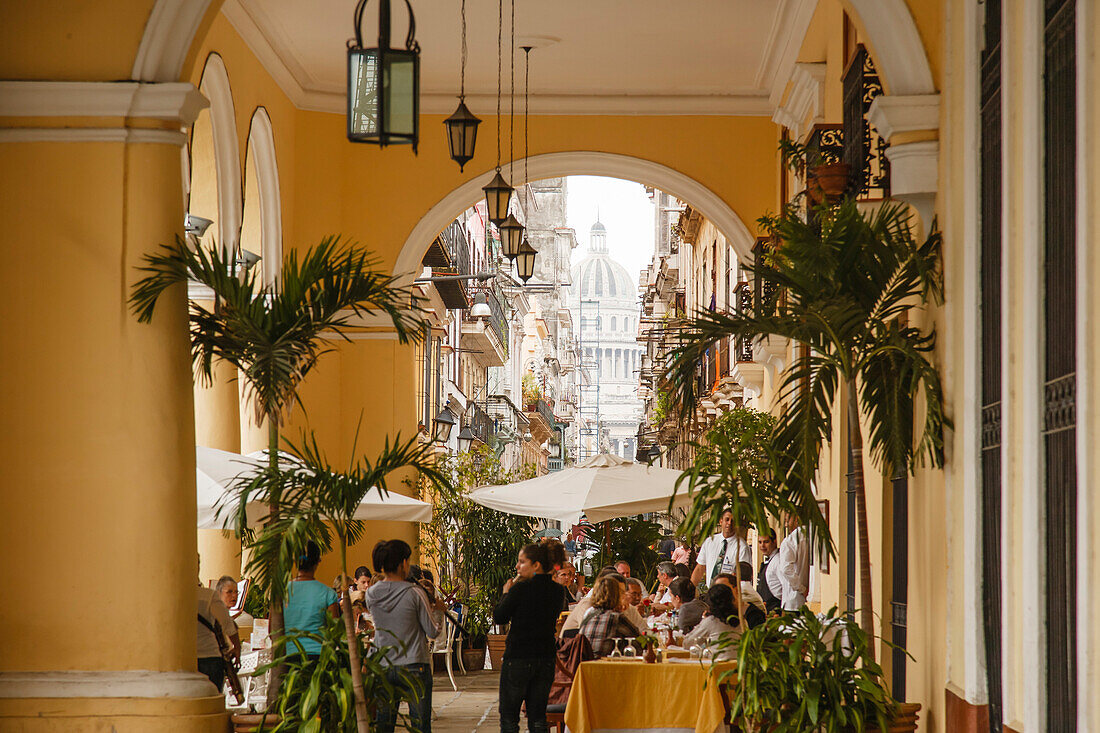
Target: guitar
pixel 227 657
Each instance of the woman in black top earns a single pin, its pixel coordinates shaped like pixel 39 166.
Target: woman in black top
pixel 531 602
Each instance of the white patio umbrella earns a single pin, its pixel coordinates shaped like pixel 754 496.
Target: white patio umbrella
pixel 217 470
pixel 603 487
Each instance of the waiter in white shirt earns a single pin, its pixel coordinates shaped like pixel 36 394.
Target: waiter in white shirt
pixel 720 553
pixel 768 584
pixel 794 565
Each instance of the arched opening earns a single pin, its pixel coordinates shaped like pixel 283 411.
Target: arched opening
pixel 262 185
pixel 552 165
pixel 227 158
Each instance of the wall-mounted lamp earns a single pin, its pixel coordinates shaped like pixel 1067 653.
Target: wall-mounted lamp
pixel 441 426
pixel 465 439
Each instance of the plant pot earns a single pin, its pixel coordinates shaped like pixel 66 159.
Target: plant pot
pixel 496 649
pixel 250 722
pixel 831 179
pixel 473 659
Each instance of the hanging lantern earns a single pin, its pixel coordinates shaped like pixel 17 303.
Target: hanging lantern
pixel 462 134
pixel 383 84
pixel 442 424
pixel 498 194
pixel 511 236
pixel 525 261
pixel 465 439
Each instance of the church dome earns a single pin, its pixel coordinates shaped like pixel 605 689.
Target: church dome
pixel 599 276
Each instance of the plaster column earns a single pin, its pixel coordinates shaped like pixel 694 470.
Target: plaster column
pixel 98 489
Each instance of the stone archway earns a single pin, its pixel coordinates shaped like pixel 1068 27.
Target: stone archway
pixel 553 165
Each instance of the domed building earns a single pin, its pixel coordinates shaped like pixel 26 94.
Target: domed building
pixel 604 302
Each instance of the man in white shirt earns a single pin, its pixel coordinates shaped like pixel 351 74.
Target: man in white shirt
pixel 662 599
pixel 768 583
pixel 720 553
pixel 211 610
pixel 794 565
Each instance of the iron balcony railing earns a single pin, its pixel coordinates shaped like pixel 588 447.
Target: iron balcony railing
pixel 454 236
pixel 546 411
pixel 481 424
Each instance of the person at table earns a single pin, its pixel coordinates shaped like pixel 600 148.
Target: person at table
pixel 531 603
pixel 576 616
pixel 661 598
pixel 721 552
pixel 689 609
pixel 794 565
pixel 622 567
pixel 307 601
pixel 566 576
pixel 213 617
pixel 403 622
pixel 755 610
pixel 226 589
pixel 358 590
pixel 768 583
pixel 635 592
pixel 605 620
pixel 720 619
pixel 680 555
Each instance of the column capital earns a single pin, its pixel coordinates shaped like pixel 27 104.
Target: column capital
pixel 893 114
pixel 173 102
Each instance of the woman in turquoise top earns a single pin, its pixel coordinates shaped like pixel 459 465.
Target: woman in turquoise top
pixel 307 600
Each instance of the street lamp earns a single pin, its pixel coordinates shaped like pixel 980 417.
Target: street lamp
pixel 465 439
pixel 525 261
pixel 462 134
pixel 441 426
pixel 511 236
pixel 480 309
pixel 383 84
pixel 497 195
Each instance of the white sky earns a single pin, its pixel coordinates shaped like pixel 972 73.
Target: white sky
pixel 624 209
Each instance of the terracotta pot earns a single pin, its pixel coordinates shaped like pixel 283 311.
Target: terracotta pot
pixel 496 649
pixel 832 179
pixel 473 659
pixel 250 722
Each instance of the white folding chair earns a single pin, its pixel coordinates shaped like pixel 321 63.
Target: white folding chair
pixel 444 644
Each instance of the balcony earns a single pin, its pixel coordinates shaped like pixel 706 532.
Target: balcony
pixel 449 254
pixel 489 336
pixel 481 424
pixel 542 420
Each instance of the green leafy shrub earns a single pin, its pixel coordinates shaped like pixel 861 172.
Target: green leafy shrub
pixel 316 696
pixel 800 672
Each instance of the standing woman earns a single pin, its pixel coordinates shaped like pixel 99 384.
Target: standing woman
pixel 403 622
pixel 308 600
pixel 531 602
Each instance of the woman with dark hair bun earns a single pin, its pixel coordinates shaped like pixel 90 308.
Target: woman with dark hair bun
pixel 307 599
pixel 531 602
pixel 721 619
pixel 404 623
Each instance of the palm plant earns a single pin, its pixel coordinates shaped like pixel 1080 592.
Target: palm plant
pixel 274 333
pixel 316 499
pixel 844 287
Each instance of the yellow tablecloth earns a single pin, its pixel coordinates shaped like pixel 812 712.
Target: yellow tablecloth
pixel 633 695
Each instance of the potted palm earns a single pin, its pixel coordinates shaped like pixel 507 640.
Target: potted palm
pixel 274 333
pixel 804 672
pixel 826 180
pixel 851 281
pixel 322 504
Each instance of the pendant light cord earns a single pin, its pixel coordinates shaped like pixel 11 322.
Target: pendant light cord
pixel 526 91
pixel 462 77
pixel 512 97
pixel 500 52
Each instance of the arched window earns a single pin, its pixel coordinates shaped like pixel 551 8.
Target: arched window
pixel 613 323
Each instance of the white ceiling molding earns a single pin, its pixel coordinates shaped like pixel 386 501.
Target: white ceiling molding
pixel 804 106
pixel 261 154
pixel 553 165
pixel 290 74
pixel 899 54
pixel 167 39
pixel 792 20
pixel 167 101
pixel 890 113
pixel 227 158
pixel 91 135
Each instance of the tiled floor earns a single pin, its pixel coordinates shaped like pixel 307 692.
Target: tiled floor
pixel 472 708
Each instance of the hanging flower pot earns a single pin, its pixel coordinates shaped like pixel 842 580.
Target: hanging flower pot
pixel 829 181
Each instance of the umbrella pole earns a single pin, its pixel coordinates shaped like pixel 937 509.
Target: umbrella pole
pixel 607 541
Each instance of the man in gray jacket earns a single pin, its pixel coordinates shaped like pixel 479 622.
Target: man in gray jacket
pixel 403 621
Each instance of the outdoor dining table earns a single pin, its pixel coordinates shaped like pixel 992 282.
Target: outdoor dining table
pixel 670 697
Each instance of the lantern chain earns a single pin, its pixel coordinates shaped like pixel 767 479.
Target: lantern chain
pixel 462 77
pixel 500 53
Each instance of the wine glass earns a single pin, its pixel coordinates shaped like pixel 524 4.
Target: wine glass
pixel 694 651
pixel 629 651
pixel 615 651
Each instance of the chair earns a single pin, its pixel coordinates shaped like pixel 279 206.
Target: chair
pixel 445 644
pixel 555 720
